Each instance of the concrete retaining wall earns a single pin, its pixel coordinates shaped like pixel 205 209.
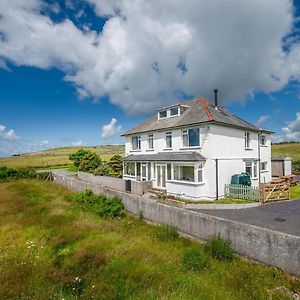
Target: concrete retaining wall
pixel 264 245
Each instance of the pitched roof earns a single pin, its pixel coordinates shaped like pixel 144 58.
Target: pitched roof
pixel 198 110
pixel 166 156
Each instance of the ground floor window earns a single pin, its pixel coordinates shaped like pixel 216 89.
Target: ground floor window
pixel 129 168
pixel 251 168
pixel 184 173
pixel 263 166
pixel 200 173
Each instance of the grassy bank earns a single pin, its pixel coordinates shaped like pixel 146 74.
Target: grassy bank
pixel 58 157
pixel 289 149
pixel 51 249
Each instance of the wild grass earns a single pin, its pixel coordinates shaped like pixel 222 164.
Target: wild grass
pixel 51 248
pixel 295 192
pixel 58 157
pixel 289 149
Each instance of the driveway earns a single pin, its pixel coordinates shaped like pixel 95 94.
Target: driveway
pixel 281 216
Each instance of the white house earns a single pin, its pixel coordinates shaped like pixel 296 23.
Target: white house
pixel 193 148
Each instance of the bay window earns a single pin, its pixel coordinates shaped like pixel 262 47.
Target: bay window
pixel 129 168
pixel 184 173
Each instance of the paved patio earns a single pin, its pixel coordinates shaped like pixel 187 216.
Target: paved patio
pixel 281 216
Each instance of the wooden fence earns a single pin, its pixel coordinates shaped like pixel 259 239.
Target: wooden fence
pixel 274 191
pixel 242 192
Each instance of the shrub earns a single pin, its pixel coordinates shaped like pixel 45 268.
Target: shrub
pixel 116 165
pixel 166 233
pixel 296 167
pixel 219 248
pixel 194 259
pixel 7 174
pixel 76 157
pixel 102 170
pixel 90 162
pixel 99 204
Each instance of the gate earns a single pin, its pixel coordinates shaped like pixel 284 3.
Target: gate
pixel 274 191
pixel 128 185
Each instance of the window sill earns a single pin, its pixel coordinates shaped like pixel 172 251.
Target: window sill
pixel 168 149
pixel 248 149
pixel 190 148
pixel 149 150
pixel 254 178
pixel 266 146
pixel 131 176
pixel 138 150
pixel 185 182
pixel 264 171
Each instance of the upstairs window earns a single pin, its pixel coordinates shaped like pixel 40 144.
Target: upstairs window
pixel 162 114
pixel 247 140
pixel 263 140
pixel 150 141
pixel 136 143
pixel 169 139
pixel 174 111
pixel 191 137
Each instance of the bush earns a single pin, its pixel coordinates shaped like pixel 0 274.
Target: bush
pixel 166 233
pixel 7 174
pixel 99 204
pixel 116 165
pixel 296 167
pixel 194 259
pixel 102 170
pixel 219 248
pixel 89 162
pixel 76 157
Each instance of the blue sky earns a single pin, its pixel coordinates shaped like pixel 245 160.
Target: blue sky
pixel 81 72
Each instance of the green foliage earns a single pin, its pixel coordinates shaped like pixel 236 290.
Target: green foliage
pixel 7 174
pixel 194 259
pixel 77 157
pixel 104 207
pixel 296 167
pixel 219 248
pixel 116 165
pixel 89 162
pixel 102 170
pixel 166 233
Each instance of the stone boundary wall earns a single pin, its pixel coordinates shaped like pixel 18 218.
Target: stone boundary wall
pixel 264 245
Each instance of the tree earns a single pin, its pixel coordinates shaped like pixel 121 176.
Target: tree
pixel 90 162
pixel 116 165
pixel 76 157
pixel 103 170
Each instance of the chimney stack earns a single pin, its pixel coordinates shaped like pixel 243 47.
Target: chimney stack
pixel 216 97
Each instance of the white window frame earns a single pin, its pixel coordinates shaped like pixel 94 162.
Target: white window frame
pixel 175 115
pixel 200 170
pixel 253 165
pixel 138 145
pixel 179 172
pixel 150 141
pixel 247 140
pixel 169 134
pixel 263 166
pixel 263 140
pixel 185 132
pixel 165 110
pixel 126 169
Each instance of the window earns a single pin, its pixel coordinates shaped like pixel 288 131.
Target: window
pixel 200 173
pixel 184 173
pixel 263 166
pixel 169 139
pixel 150 141
pixel 191 137
pixel 162 114
pixel 251 168
pixel 174 111
pixel 129 168
pixel 263 141
pixel 169 171
pixel 247 140
pixel 136 143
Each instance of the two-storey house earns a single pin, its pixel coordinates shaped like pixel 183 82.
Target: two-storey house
pixel 193 148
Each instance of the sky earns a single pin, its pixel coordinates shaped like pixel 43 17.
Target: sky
pixel 82 72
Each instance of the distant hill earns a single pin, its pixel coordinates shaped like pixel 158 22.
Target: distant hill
pixel 57 157
pixel 286 149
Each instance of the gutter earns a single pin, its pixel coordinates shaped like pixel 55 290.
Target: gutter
pixel 217 179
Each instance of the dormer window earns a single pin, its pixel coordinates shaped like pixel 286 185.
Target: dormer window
pixel 174 111
pixel 162 114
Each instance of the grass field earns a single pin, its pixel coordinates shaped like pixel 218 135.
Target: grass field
pixel 51 249
pixel 57 157
pixel 282 150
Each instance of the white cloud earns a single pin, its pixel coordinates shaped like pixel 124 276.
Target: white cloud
pixel 9 135
pixel 149 53
pixel 111 130
pixel 2 128
pixel 262 119
pixel 78 143
pixel 292 131
pixel 39 144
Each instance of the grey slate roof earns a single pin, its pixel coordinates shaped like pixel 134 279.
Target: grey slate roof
pixel 199 111
pixel 166 156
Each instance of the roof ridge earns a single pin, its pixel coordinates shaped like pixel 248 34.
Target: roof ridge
pixel 205 108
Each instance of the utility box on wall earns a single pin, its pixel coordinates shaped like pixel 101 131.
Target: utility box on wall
pixel 281 166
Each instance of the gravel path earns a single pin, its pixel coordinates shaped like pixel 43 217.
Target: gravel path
pixel 281 216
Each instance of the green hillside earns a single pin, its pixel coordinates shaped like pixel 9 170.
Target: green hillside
pixel 57 157
pixel 288 149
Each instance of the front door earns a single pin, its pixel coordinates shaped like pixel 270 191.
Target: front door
pixel 161 175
